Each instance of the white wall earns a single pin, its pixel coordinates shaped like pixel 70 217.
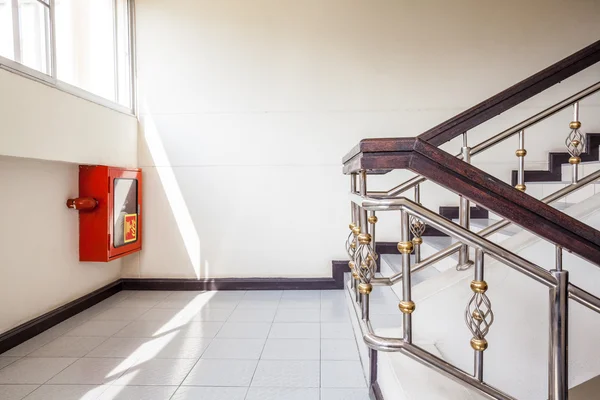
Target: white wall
pixel 248 107
pixel 41 122
pixel 39 261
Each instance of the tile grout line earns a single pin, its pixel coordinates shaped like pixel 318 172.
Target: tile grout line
pixel 203 351
pixel 265 345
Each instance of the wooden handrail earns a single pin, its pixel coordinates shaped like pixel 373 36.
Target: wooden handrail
pixel 422 156
pixel 513 96
pixel 502 101
pixel 480 187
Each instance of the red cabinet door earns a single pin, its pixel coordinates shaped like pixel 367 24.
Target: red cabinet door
pixel 125 220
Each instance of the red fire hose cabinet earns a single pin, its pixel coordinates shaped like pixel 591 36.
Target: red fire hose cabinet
pixel 110 212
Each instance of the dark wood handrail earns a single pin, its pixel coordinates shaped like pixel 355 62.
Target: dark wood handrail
pixel 504 100
pixel 513 96
pixel 422 156
pixel 480 187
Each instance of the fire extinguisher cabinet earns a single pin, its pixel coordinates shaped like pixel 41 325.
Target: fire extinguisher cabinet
pixel 110 227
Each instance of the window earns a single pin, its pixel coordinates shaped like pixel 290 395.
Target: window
pixel 81 44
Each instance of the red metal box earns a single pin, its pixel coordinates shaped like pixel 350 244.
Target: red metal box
pixel 113 228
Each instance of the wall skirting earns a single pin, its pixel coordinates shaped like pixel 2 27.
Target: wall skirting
pixel 38 325
pixel 29 329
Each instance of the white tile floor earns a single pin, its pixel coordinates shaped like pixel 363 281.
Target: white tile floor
pixel 255 345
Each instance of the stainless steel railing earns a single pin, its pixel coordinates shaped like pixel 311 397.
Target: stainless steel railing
pixel 575 145
pixel 448 251
pixel 478 314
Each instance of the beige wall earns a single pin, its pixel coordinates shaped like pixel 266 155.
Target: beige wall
pixel 39 262
pixel 45 123
pixel 249 106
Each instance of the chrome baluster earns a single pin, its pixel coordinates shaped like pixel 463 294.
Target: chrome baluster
pixel 365 255
pixel 479 315
pixel 417 227
pixel 407 306
pixel 558 373
pixel 521 153
pixel 464 212
pixel 575 143
pixel 351 240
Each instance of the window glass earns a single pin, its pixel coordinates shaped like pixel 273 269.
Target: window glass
pixel 34 24
pixel 85 53
pixel 6 30
pixel 125 218
pixel 123 53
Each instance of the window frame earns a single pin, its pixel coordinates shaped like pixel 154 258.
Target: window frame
pixel 15 66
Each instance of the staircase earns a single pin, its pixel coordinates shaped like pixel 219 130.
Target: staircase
pixel 496 297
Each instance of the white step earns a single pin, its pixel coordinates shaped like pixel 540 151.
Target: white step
pixel 585 168
pixel 399 377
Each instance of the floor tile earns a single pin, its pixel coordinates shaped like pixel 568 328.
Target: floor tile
pixel 120 314
pixel 223 303
pixel 68 346
pixel 15 392
pixel 334 315
pixel 179 304
pixel 291 349
pixel 97 328
pixel 297 315
pixel 263 294
pixel 272 393
pixel 339 349
pixel 210 393
pixel 301 294
pixel 244 330
pixel 117 347
pixel 33 370
pixel 300 303
pixel 217 372
pixel 212 314
pixel 32 344
pixel 258 303
pixel 165 316
pixel 138 393
pixel 92 371
pixel 4 361
pixel 228 294
pixel 342 374
pixel 161 372
pixel 295 330
pixel 67 392
pixel 188 294
pixel 148 329
pixel 137 303
pixel 344 394
pixel 337 330
pixel 242 349
pixel 253 315
pixel 180 347
pixel 200 329
pixel 275 373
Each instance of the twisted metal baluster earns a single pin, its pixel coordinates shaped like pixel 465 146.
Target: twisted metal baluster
pixel 479 316
pixel 417 227
pixel 575 143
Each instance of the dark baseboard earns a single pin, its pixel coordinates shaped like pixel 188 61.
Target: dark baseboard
pixel 29 329
pixel 335 282
pixel 38 325
pixel 376 392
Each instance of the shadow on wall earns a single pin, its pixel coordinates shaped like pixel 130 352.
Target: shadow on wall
pixel 176 230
